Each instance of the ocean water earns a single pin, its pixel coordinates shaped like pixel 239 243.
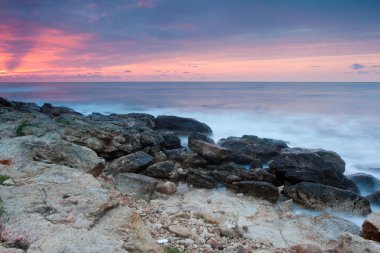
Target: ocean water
pixel 343 117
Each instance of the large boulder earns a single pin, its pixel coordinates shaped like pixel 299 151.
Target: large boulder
pixel 295 165
pixel 134 162
pixel 56 110
pixel 206 148
pixel 136 185
pixel 160 170
pixel 258 189
pixel 180 124
pixel 350 243
pixel 366 182
pixel 371 227
pixel 249 148
pixel 65 153
pixel 6 103
pixel 322 197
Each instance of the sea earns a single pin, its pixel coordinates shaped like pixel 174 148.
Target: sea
pixel 342 117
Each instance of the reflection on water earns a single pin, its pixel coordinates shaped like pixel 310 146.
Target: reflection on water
pixel 337 116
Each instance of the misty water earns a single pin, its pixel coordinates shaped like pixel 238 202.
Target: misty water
pixel 343 117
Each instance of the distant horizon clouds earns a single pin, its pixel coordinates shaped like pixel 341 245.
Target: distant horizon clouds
pixel 189 40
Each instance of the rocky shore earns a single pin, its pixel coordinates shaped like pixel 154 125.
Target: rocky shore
pixel 124 183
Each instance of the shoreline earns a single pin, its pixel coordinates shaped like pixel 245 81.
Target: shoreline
pixel 131 156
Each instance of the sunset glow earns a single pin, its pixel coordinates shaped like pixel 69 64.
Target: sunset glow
pixel 163 40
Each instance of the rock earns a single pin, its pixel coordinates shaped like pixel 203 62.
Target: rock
pixel 126 225
pixel 374 198
pixel 171 141
pixel 323 230
pixel 130 163
pixel 297 165
pixel 231 232
pixel 160 170
pixel 137 119
pixel 249 148
pixel 109 137
pixel 10 250
pixel 180 231
pixel 167 188
pixel 258 189
pixel 215 244
pixel 306 248
pixel 65 153
pixel 72 240
pixel 260 175
pixel 9 182
pixel 366 182
pixel 371 227
pixel 180 124
pixel 225 177
pixel 136 185
pixel 206 148
pixel 56 111
pixel 207 217
pixel 323 197
pixel 200 178
pixel 6 103
pixel 350 243
pixel 256 164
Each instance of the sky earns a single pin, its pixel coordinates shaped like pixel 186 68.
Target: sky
pixel 190 40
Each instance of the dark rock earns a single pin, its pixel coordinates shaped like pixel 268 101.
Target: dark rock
pixel 374 198
pixel 139 119
pixel 136 185
pixel 297 165
pixel 171 141
pixel 130 163
pixel 200 178
pixel 186 157
pixel 181 124
pixel 6 103
pixel 371 227
pixel 28 107
pixel 225 177
pixel 206 148
pixel 322 197
pixel 255 164
pixel 249 148
pixel 366 182
pixel 258 189
pixel 160 170
pixel 56 110
pixel 261 175
pixel 151 138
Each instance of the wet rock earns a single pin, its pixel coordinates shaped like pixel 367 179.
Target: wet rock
pixel 167 188
pixel 258 189
pixel 206 148
pixel 306 248
pixel 374 198
pixel 371 227
pixel 350 243
pixel 135 185
pixel 297 165
pixel 160 170
pixel 249 148
pixel 56 110
pixel 323 197
pixel 366 182
pixel 180 124
pixel 137 119
pixel 171 141
pixel 130 163
pixel 180 231
pixel 200 178
pixel 6 103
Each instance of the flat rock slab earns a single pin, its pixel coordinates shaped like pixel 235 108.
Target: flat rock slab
pixel 135 185
pixel 180 231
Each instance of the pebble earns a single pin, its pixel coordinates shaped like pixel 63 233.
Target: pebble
pixel 180 231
